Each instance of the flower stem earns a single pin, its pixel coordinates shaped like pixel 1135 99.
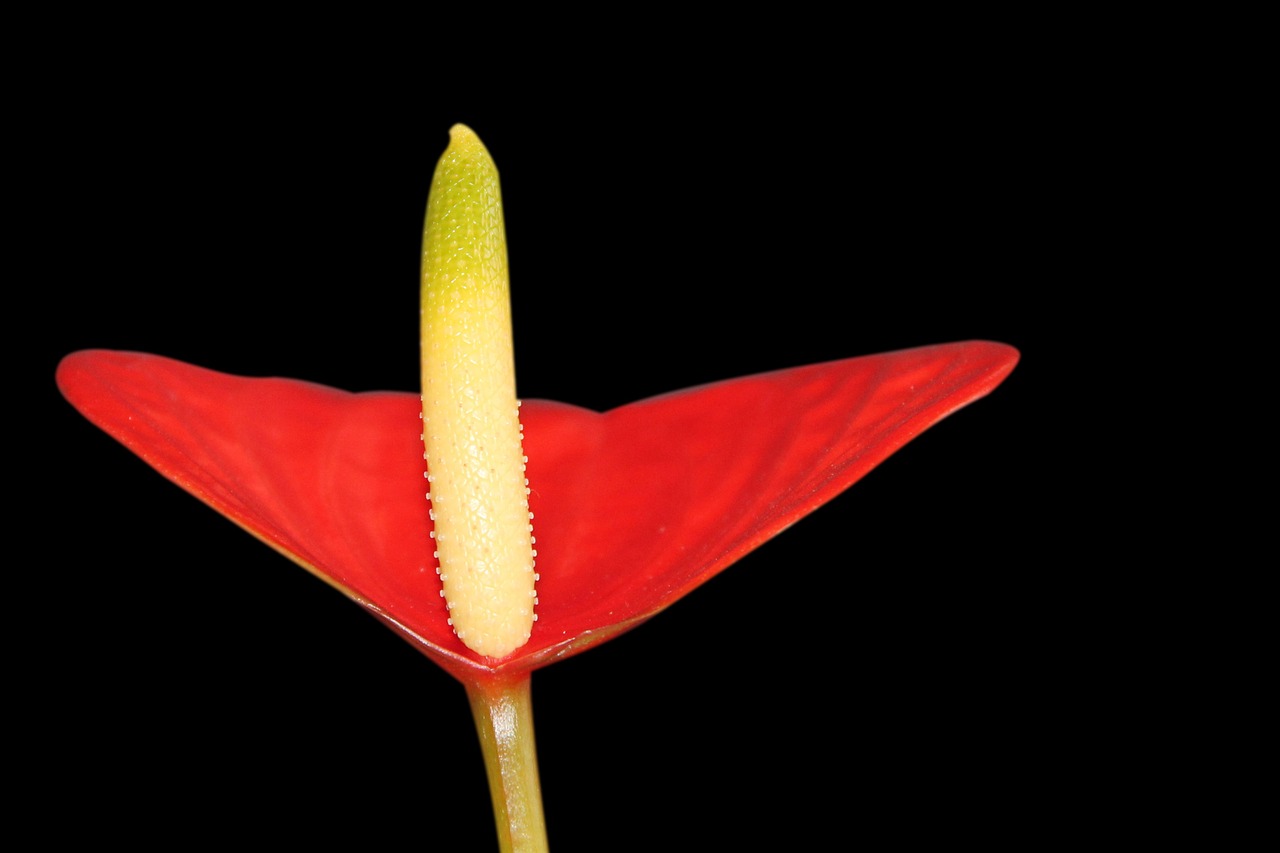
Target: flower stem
pixel 503 711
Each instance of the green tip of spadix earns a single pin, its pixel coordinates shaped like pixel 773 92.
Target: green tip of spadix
pixel 460 133
pixel 465 145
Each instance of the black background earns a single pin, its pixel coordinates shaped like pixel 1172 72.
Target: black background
pixel 900 659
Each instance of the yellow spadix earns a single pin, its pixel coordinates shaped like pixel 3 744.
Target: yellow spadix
pixel 471 424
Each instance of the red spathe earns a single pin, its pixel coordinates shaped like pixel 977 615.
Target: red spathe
pixel 633 508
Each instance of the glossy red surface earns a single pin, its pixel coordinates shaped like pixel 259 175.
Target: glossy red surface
pixel 633 508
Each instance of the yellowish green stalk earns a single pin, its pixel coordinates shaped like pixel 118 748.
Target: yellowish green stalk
pixel 503 712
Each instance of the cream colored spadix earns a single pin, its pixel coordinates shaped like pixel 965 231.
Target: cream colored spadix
pixel 471 425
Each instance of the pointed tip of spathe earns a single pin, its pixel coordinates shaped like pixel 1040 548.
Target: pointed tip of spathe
pixel 991 359
pixel 71 369
pixel 1007 355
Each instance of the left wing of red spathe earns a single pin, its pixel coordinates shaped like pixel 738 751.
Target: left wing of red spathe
pixel 633 508
pixel 332 479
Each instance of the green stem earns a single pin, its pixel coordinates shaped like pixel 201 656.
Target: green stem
pixel 503 711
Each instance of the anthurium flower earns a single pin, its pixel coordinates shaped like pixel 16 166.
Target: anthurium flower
pixel 632 508
pixel 635 507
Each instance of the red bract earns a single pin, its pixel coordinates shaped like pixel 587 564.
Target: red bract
pixel 635 507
